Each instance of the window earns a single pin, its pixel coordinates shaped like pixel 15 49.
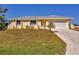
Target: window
pixel 32 22
pixel 18 22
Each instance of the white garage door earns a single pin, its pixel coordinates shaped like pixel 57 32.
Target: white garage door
pixel 60 25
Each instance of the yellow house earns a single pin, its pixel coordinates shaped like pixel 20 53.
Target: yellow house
pixel 39 21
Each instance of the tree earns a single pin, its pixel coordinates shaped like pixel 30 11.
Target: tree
pixel 2 16
pixel 50 26
pixel 3 10
pixel 3 24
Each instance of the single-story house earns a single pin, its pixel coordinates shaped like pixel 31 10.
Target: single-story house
pixel 40 21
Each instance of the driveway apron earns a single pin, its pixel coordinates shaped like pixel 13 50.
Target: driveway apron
pixel 71 38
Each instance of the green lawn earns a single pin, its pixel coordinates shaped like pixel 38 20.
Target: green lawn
pixel 30 42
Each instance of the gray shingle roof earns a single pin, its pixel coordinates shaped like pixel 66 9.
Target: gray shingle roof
pixel 40 17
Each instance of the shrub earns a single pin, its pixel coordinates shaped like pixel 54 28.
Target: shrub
pixel 38 27
pixel 29 27
pixel 3 26
pixel 50 26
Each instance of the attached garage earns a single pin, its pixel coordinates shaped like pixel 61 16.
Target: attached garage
pixel 61 25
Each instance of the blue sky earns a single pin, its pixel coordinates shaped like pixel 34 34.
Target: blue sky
pixel 16 10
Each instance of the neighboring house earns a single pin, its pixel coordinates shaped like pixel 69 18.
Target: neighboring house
pixel 39 21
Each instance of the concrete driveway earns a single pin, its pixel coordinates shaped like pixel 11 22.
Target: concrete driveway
pixel 71 38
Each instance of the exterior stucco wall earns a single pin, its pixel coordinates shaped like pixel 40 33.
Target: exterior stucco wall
pixel 25 23
pixel 41 26
pixel 38 23
pixel 47 23
pixel 12 25
pixel 68 24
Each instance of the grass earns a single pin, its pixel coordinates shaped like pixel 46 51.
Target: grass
pixel 30 42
